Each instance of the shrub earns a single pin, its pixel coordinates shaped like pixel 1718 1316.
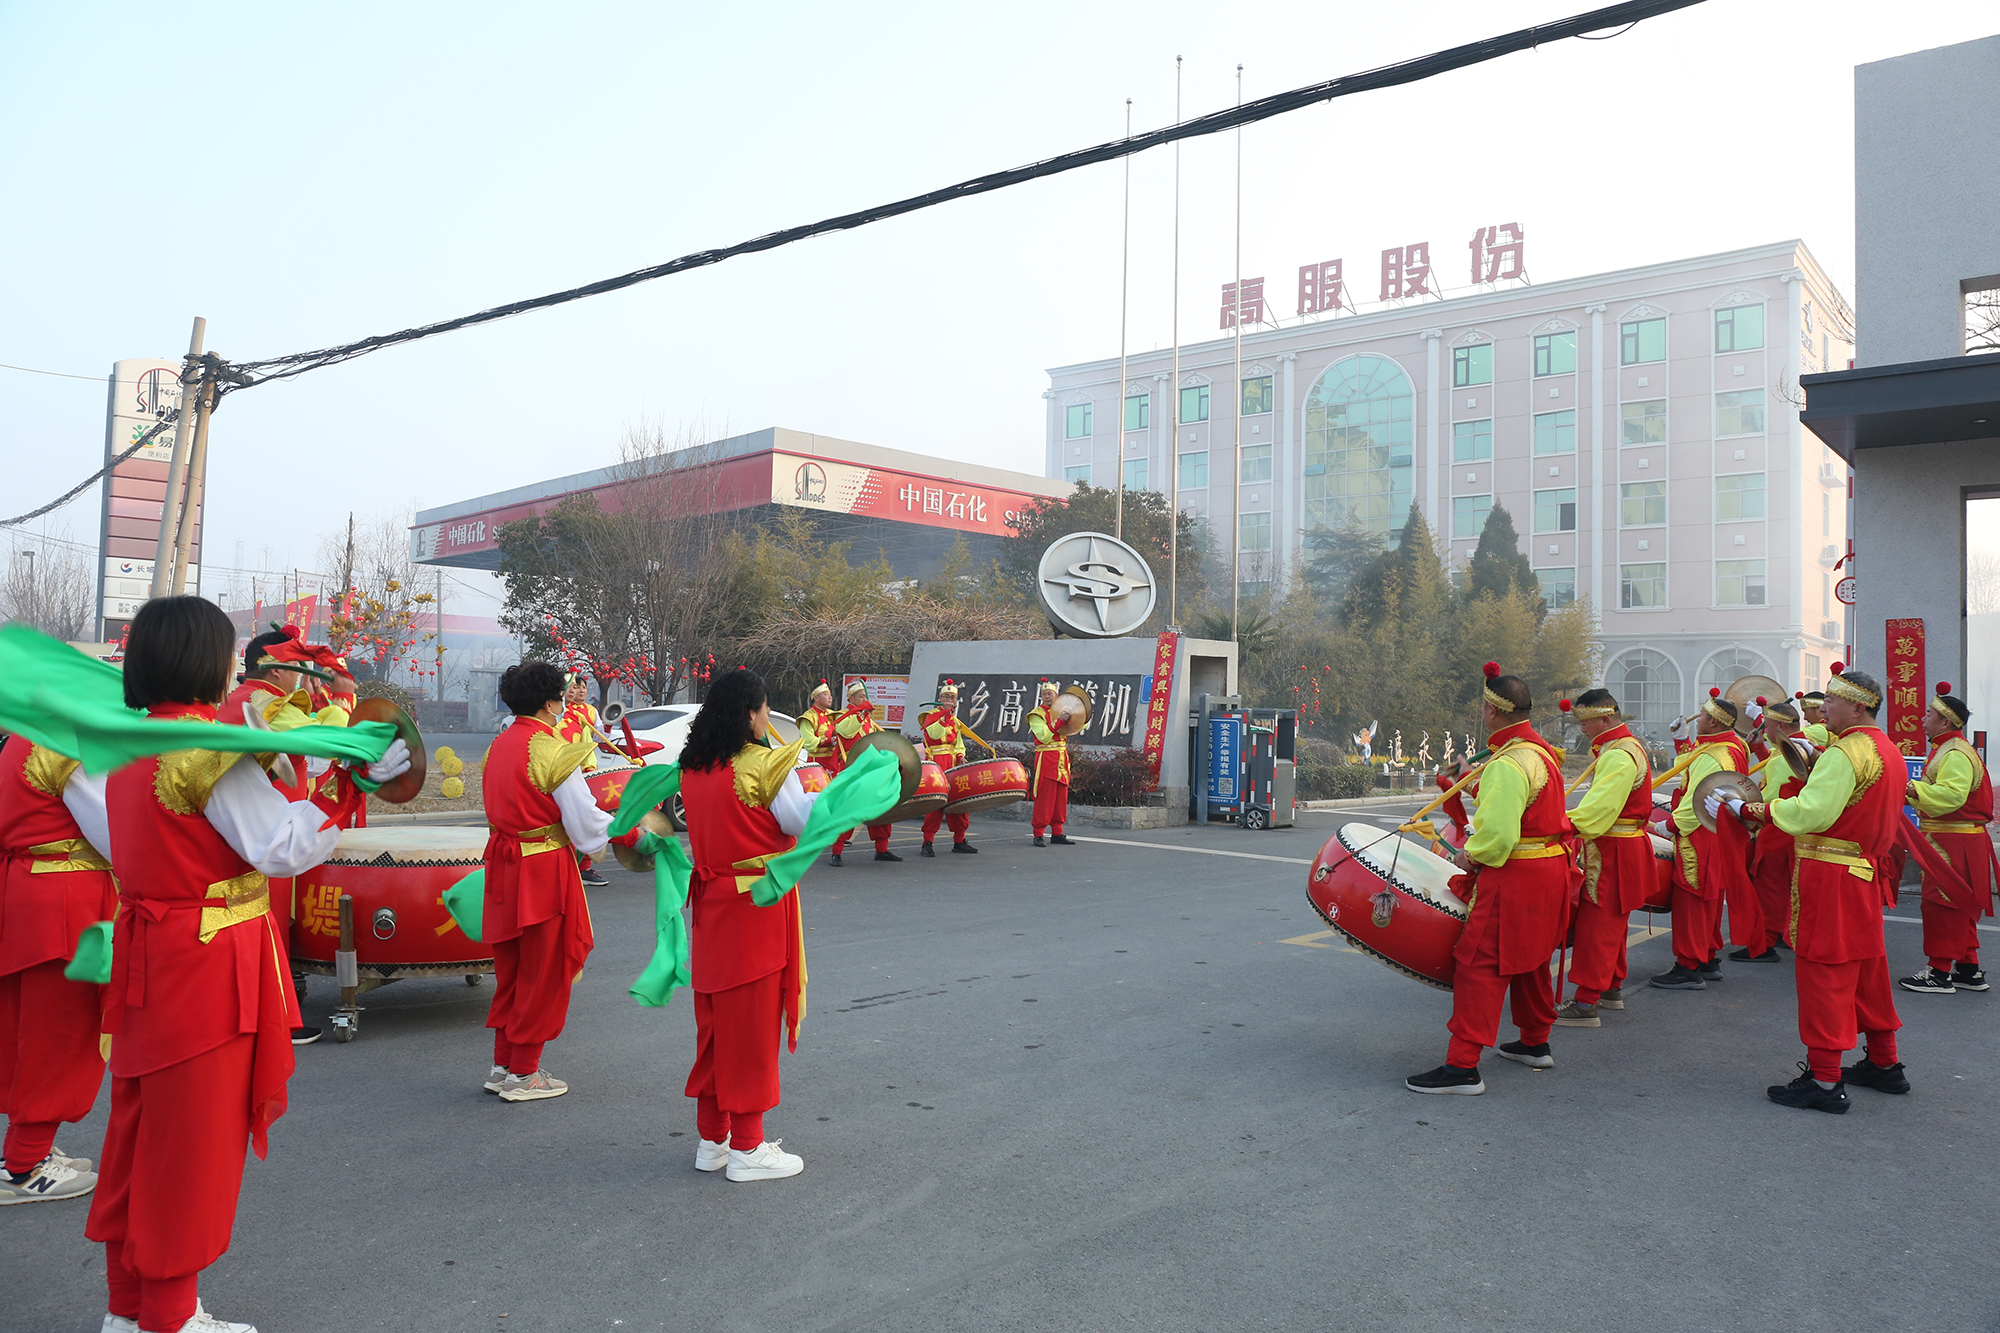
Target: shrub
pixel 1116 777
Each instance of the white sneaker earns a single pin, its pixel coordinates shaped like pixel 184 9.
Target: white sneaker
pixel 495 1077
pixel 73 1163
pixel 204 1322
pixel 49 1180
pixel 764 1162
pixel 711 1156
pixel 118 1323
pixel 533 1088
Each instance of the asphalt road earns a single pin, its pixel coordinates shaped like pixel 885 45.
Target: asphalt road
pixel 1124 1085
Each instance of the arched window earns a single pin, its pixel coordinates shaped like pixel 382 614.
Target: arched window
pixel 1648 688
pixel 1357 445
pixel 1731 665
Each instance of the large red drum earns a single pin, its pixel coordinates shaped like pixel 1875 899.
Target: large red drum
pixel 608 785
pixel 813 777
pixel 1391 897
pixel 397 878
pixel 984 785
pixel 929 795
pixel 1661 899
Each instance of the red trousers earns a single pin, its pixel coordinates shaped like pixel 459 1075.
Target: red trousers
pixel 1697 927
pixel 1476 993
pixel 531 982
pixel 1773 881
pixel 878 832
pixel 1051 807
pixel 1951 934
pixel 168 1180
pixel 1598 964
pixel 1838 999
pixel 735 1074
pixel 957 823
pixel 50 1062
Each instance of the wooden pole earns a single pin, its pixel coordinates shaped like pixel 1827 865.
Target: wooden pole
pixel 163 549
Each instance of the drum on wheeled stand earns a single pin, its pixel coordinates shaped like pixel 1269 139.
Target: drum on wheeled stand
pixel 1391 897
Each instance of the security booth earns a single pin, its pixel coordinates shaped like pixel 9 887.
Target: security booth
pixel 1244 763
pixel 1270 769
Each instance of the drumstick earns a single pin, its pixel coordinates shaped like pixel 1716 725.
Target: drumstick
pixel 976 736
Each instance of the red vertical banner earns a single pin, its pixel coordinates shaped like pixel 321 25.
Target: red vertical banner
pixel 1903 685
pixel 1163 694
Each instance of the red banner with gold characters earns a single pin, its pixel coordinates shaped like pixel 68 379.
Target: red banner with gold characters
pixel 1163 694
pixel 1903 686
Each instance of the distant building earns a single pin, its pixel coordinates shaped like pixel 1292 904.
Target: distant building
pixel 1637 425
pixel 909 508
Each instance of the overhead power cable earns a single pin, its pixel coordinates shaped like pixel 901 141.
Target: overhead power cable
pixel 167 419
pixel 1388 76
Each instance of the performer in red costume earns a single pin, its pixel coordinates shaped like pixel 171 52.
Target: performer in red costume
pixel 849 727
pixel 744 806
pixel 542 816
pixel 333 703
pixel 1618 871
pixel 1954 801
pixel 1843 828
pixel 816 727
pixel 1521 859
pixel 1709 868
pixel 579 723
pixel 1771 857
pixel 199 1007
pixel 54 882
pixel 1049 782
pixel 946 745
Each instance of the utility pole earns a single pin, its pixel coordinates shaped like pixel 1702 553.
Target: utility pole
pixel 196 478
pixel 163 551
pixel 1124 295
pixel 440 624
pixel 1236 453
pixel 1174 392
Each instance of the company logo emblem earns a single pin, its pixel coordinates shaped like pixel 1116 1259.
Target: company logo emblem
pixel 810 483
pixel 1095 586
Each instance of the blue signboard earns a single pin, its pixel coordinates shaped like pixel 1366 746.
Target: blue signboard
pixel 1225 761
pixel 1915 764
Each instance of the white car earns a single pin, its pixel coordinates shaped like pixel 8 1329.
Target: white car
pixel 666 725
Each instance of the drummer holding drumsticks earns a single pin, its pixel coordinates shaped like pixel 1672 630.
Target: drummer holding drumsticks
pixel 1520 863
pixel 947 749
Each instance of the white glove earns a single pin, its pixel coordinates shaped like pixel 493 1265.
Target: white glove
pixel 1715 806
pixel 393 764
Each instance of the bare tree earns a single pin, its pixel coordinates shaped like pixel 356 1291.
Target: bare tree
pixel 1982 320
pixel 49 585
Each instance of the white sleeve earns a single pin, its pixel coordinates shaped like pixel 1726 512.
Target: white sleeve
pixel 792 805
pixel 589 827
pixel 279 837
pixel 83 796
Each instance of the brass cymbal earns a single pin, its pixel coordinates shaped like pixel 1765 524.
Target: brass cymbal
pixel 1745 691
pixel 1800 755
pixel 1073 709
pixel 907 759
pixel 1730 786
pixel 401 790
pixel 631 857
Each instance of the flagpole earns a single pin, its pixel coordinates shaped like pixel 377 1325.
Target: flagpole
pixel 1174 393
pixel 1236 453
pixel 1124 296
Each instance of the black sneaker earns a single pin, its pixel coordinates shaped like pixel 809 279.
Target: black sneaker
pixel 836 859
pixel 1744 955
pixel 1678 978
pixel 1930 981
pixel 887 856
pixel 1039 842
pixel 1612 999
pixel 1060 841
pixel 1867 1074
pixel 926 850
pixel 1711 970
pixel 1534 1057
pixel 1448 1079
pixel 964 849
pixel 1805 1094
pixel 1968 978
pixel 304 1036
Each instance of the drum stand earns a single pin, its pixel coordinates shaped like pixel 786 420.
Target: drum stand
pixel 347 1018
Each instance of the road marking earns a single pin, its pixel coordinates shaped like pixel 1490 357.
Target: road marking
pixel 1199 851
pixel 1918 921
pixel 1311 941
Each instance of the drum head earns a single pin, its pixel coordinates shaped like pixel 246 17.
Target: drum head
pixel 404 789
pixel 414 844
pixel 1406 864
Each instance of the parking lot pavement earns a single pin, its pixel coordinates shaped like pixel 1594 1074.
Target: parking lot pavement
pixel 1096 1087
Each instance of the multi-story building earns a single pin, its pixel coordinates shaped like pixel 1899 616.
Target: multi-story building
pixel 1640 427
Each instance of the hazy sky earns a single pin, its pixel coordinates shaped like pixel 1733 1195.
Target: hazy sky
pixel 302 176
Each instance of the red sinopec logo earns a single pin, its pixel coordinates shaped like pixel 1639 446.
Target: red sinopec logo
pixel 810 483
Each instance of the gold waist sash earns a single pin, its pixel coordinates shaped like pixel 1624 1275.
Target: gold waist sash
pixel 1625 828
pixel 1948 826
pixel 244 898
pixel 548 838
pixel 1535 849
pixel 1835 851
pixel 70 854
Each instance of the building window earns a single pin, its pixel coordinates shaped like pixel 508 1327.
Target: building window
pixel 1739 497
pixel 1555 353
pixel 1079 421
pixel 1642 587
pixel 1740 413
pixel 1642 340
pixel 1646 423
pixel 1555 432
pixel 1812 669
pixel 1468 514
pixel 1081 474
pixel 1648 687
pixel 1253 532
pixel 1471 441
pixel 1739 329
pixel 1739 583
pixel 1471 365
pixel 1558 587
pixel 1139 411
pixel 1257 396
pixel 1357 445
pixel 1726 668
pixel 1194 403
pixel 1555 511
pixel 1256 462
pixel 1642 504
pixel 1194 470
pixel 1135 474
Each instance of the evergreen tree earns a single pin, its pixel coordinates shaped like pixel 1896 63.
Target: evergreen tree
pixel 1407 579
pixel 1336 556
pixel 1498 566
